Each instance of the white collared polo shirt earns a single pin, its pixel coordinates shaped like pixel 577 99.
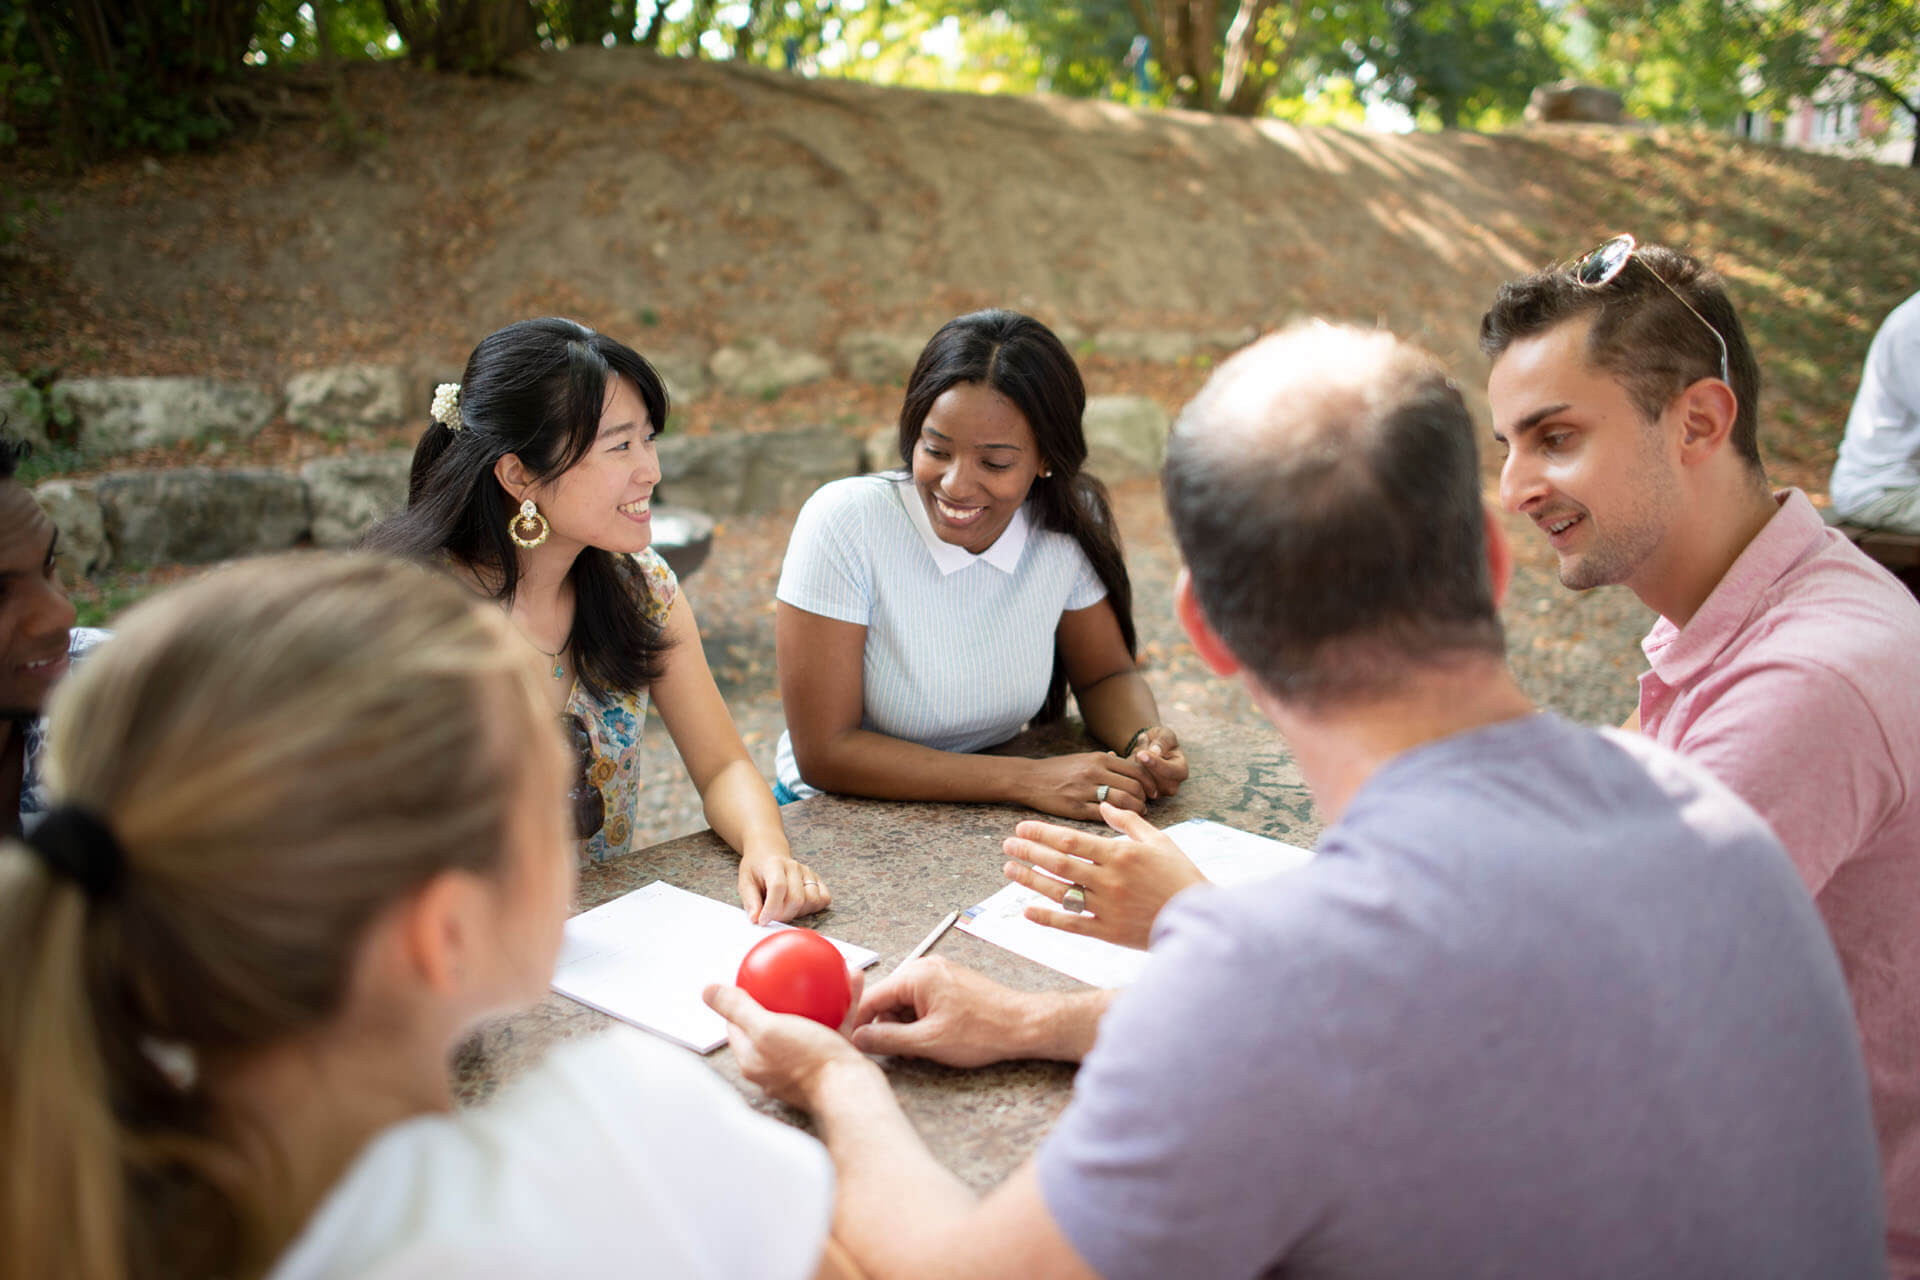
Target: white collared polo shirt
pixel 959 646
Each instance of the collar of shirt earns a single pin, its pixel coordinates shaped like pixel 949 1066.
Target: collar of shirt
pixel 1003 555
pixel 1679 655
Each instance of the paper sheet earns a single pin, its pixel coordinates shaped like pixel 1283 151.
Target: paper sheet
pixel 1225 855
pixel 645 957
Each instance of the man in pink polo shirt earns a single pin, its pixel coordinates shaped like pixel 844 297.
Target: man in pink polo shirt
pixel 1786 661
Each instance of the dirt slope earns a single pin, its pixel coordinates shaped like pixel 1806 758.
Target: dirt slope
pixel 680 204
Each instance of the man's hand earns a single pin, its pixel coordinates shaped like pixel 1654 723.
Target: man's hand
pixel 1125 881
pixel 940 1011
pixel 785 1054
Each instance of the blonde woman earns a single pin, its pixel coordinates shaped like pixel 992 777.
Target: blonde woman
pixel 534 486
pixel 314 831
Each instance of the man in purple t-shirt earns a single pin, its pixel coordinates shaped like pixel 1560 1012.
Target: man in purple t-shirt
pixel 1784 660
pixel 1547 1002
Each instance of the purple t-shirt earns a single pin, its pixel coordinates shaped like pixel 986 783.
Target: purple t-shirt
pixel 1550 1002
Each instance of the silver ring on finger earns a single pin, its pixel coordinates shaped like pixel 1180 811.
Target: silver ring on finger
pixel 810 884
pixel 1074 899
pixel 1100 793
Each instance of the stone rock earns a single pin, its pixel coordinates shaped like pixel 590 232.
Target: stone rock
pixel 763 367
pixel 745 474
pixel 354 395
pixel 880 450
pixel 23 411
pixel 74 508
pixel 878 357
pixel 1071 335
pixel 1229 339
pixel 701 471
pixel 1126 435
pixel 1570 102
pixel 346 495
pixel 113 415
pixel 789 465
pixel 197 514
pixel 1158 348
pixel 685 376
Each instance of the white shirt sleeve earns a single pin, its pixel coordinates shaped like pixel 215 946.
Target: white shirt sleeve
pixel 1087 589
pixel 829 567
pixel 619 1155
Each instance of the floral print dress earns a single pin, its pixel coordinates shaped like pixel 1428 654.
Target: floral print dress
pixel 614 726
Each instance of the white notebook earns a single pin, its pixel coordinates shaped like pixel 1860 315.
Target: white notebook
pixel 1225 855
pixel 645 958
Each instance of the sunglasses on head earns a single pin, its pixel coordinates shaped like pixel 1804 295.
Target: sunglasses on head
pixel 1595 269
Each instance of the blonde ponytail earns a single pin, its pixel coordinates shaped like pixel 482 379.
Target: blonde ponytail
pixel 62 1208
pixel 280 750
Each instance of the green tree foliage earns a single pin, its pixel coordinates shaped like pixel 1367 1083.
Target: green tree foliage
pixel 1080 49
pixel 1463 60
pixel 1708 59
pixel 93 76
pixel 1868 50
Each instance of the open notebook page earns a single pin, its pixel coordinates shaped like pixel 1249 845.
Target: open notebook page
pixel 645 957
pixel 1225 855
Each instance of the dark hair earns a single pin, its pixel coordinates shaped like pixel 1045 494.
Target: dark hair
pixel 1641 334
pixel 535 389
pixel 1021 358
pixel 1330 515
pixel 12 453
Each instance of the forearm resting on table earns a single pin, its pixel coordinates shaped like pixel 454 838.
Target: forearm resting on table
pixel 1061 1025
pixel 1116 707
pixel 740 808
pixel 860 762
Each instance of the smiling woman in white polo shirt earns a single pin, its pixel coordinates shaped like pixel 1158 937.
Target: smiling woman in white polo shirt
pixel 924 616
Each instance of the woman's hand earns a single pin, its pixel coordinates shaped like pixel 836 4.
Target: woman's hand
pixel 1125 881
pixel 775 887
pixel 1158 752
pixel 1069 786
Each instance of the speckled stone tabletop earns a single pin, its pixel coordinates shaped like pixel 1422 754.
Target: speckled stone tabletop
pixel 895 870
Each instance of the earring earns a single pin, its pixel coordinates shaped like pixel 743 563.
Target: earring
pixel 529 528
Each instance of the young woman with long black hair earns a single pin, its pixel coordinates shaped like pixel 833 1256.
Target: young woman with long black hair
pixel 533 486
pixel 928 614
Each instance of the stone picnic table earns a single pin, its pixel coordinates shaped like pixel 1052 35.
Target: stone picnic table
pixel 895 870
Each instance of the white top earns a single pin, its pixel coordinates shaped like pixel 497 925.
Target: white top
pixel 959 646
pixel 1881 451
pixel 617 1156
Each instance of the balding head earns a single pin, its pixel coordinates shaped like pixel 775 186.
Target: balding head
pixel 1326 496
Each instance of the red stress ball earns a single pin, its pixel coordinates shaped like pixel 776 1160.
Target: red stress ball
pixel 798 971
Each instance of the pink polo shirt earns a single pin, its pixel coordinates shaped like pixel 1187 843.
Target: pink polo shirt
pixel 1798 683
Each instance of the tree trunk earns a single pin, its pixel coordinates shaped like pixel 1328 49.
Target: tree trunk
pixel 320 37
pixel 650 38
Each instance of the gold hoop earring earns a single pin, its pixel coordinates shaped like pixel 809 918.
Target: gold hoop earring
pixel 529 528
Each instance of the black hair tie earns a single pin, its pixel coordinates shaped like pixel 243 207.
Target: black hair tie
pixel 79 845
